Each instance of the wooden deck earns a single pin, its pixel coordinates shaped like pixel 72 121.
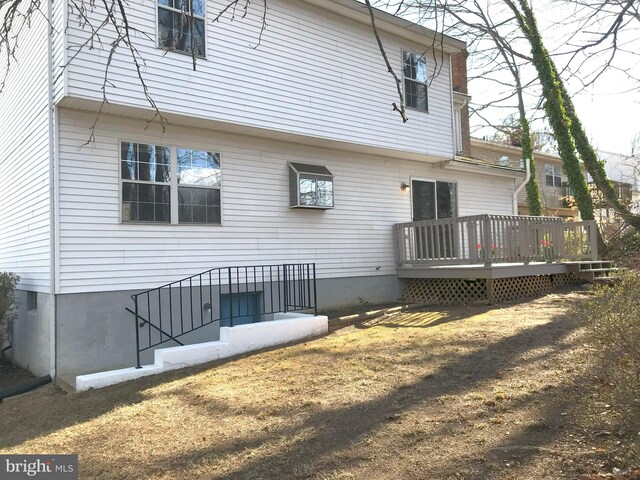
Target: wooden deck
pixel 492 246
pixel 499 270
pixel 492 258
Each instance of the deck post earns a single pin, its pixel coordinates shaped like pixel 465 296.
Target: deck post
pixel 472 235
pixel 593 239
pixel 487 240
pixel 491 295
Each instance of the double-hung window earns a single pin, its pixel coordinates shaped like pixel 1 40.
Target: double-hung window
pixel 146 182
pixel 553 175
pixel 181 26
pixel 414 68
pixel 162 184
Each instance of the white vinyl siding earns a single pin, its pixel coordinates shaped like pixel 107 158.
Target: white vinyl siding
pixel 24 163
pixel 314 74
pixel 355 238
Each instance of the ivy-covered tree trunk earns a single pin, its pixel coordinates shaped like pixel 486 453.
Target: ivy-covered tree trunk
pixel 533 192
pixel 593 164
pixel 555 108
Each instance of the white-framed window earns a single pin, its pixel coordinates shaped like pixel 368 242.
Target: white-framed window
pixel 198 186
pixel 146 182
pixel 414 68
pixel 181 26
pixel 169 185
pixel 553 175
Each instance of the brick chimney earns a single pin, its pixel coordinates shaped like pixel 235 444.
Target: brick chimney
pixel 459 82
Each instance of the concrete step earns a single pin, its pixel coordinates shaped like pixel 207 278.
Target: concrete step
pixel 66 383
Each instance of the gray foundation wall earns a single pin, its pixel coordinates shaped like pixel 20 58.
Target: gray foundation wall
pixel 31 342
pixel 94 332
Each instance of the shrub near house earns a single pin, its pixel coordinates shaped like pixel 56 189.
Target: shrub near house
pixel 8 282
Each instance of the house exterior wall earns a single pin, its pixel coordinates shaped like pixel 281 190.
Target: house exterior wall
pixel 98 253
pixel 95 333
pixel 315 74
pixel 550 196
pixel 25 225
pixel 32 334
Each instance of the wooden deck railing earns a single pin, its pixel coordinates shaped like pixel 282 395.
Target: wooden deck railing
pixel 493 239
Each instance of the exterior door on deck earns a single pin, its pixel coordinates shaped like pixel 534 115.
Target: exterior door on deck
pixel 434 200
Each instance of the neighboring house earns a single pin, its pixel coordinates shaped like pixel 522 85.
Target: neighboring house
pixel 254 137
pixel 552 181
pixel 624 172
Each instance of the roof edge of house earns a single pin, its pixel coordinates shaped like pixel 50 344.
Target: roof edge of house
pixel 387 22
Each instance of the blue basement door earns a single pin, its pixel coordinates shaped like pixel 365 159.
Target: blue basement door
pixel 245 308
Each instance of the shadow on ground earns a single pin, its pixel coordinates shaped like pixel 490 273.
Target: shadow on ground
pixel 423 405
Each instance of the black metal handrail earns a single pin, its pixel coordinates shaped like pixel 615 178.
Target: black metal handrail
pixel 228 296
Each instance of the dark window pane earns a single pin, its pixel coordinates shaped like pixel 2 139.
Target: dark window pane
pixel 424 200
pixel 549 180
pixel 446 193
pixel 146 193
pixel 146 212
pixel 129 192
pixel 163 173
pixel 199 214
pixel 199 197
pixel 416 95
pixel 146 153
pixel 128 151
pixel 146 171
pixel 163 212
pixel 129 211
pixel 184 196
pixel 408 66
pixel 213 196
pixel 163 194
pixel 128 170
pixel 185 214
pixel 213 214
pixel 410 93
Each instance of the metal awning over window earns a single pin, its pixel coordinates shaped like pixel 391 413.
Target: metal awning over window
pixel 311 186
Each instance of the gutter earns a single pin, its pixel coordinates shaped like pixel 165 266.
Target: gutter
pixel 527 163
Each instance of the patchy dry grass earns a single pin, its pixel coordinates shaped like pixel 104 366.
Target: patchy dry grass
pixel 458 393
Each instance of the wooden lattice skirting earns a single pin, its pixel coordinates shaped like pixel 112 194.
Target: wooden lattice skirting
pixel 455 291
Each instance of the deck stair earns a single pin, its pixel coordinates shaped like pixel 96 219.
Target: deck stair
pixel 596 272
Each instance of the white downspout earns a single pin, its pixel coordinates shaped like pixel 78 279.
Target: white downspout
pixel 527 163
pixel 52 192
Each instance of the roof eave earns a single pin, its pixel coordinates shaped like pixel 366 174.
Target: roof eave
pixel 389 23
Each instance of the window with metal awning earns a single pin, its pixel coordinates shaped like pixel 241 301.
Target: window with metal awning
pixel 311 186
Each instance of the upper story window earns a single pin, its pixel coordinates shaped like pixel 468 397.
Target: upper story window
pixel 553 175
pixel 181 26
pixel 152 193
pixel 414 68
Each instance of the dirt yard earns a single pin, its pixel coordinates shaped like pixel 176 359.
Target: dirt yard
pixel 471 393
